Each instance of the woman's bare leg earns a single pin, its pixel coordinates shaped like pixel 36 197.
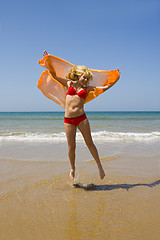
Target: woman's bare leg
pixel 71 139
pixel 84 128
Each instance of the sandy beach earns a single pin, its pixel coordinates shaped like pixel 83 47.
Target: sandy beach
pixel 38 201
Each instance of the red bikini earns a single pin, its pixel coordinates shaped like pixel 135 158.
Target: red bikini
pixel 76 120
pixel 81 94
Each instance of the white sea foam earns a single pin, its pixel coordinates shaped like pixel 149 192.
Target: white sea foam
pixel 101 136
pixel 126 136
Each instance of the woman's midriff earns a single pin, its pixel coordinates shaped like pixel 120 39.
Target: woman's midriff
pixel 74 106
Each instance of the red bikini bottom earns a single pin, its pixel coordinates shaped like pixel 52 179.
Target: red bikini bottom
pixel 76 120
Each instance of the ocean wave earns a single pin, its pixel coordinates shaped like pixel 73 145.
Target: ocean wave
pixel 100 136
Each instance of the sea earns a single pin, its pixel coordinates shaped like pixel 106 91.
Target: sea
pixel 41 135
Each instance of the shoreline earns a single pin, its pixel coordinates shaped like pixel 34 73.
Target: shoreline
pixel 44 151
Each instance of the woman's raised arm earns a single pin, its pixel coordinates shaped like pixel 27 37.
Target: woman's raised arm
pixel 63 81
pixel 104 88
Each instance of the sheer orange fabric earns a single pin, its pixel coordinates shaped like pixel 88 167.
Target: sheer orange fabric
pixel 55 91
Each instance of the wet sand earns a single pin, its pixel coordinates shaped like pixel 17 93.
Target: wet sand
pixel 38 201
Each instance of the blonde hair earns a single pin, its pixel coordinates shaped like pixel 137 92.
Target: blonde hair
pixel 77 71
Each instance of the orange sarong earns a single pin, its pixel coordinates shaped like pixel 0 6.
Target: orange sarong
pixel 55 91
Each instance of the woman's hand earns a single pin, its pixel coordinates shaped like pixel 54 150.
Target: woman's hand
pixel 45 53
pixel 104 88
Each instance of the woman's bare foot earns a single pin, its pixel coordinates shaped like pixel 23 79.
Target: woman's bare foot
pixel 72 174
pixel 101 173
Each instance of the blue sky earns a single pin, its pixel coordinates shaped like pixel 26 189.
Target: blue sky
pixel 99 34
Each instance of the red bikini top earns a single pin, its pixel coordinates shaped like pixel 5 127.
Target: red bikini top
pixel 81 94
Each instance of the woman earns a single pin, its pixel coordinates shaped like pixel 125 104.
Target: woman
pixel 77 82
